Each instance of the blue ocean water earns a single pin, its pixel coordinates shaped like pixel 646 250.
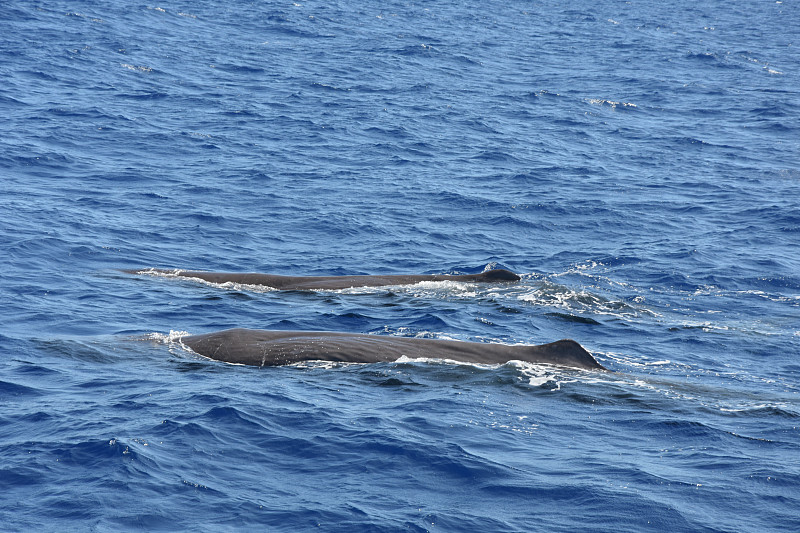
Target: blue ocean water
pixel 638 163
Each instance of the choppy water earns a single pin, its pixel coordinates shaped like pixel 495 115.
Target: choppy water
pixel 638 163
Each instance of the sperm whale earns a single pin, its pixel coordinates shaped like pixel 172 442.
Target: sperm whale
pixel 299 283
pixel 275 348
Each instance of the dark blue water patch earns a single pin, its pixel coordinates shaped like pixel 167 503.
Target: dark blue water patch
pixel 10 390
pixel 659 515
pixel 221 416
pixel 573 318
pixel 20 476
pixel 10 102
pixel 95 453
pixel 763 413
pixel 188 430
pixel 429 322
pixel 775 109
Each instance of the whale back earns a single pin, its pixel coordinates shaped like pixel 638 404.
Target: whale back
pixel 272 348
pixel 280 282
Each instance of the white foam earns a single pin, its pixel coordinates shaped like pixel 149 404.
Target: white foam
pixel 160 273
pixel 172 336
pixel 439 360
pixel 239 287
pixel 418 290
pixel 612 103
pixel 323 365
pixel 549 294
pixel 140 68
pixel 228 285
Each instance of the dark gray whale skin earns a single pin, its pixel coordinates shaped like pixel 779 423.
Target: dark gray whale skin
pixel 275 348
pixel 299 283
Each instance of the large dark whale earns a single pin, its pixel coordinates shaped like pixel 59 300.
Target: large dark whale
pixel 329 282
pixel 274 348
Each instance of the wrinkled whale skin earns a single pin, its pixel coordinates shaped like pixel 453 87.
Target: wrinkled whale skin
pixel 275 348
pixel 299 283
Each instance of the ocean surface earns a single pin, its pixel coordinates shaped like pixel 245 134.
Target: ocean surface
pixel 637 163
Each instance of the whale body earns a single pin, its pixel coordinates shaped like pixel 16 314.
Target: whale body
pixel 275 348
pixel 299 283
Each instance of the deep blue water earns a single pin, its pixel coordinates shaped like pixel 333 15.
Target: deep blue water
pixel 637 162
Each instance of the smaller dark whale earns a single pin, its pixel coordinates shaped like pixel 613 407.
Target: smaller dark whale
pixel 299 283
pixel 275 348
